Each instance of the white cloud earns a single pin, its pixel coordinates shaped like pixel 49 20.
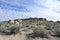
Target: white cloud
pixel 47 13
pixel 41 8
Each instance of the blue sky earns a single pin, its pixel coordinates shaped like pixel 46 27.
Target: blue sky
pixel 13 9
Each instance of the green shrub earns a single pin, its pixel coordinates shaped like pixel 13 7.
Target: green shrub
pixel 3 27
pixel 26 26
pixel 14 30
pixel 57 32
pixel 48 28
pixel 39 32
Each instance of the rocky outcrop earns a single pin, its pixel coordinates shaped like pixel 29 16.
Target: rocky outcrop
pixel 11 21
pixel 42 19
pixel 16 21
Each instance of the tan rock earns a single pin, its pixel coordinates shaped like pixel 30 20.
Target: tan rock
pixel 11 21
pixel 16 22
pixel 19 20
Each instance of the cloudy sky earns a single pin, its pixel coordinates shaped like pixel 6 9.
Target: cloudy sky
pixel 13 9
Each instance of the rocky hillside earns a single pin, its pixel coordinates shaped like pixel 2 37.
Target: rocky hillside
pixel 30 29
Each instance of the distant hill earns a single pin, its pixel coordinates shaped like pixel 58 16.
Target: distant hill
pixel 30 29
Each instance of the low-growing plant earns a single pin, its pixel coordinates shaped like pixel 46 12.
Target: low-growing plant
pixel 26 26
pixel 14 30
pixel 48 28
pixel 57 32
pixel 39 32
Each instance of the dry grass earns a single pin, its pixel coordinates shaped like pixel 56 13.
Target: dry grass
pixel 30 29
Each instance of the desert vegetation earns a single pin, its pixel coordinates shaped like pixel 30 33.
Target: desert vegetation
pixel 30 29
